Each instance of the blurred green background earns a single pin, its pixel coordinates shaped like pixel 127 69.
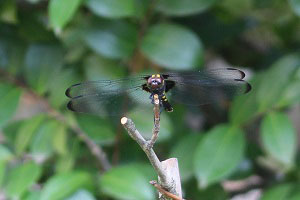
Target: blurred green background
pixel 247 148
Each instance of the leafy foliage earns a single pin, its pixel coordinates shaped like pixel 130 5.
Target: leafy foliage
pixel 213 164
pixel 279 137
pixel 172 46
pixel 46 46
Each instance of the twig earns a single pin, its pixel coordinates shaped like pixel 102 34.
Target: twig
pixel 168 173
pixel 156 127
pixel 134 134
pixel 96 150
pixel 164 192
pixel 165 175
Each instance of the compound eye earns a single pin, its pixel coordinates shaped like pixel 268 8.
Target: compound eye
pixel 158 81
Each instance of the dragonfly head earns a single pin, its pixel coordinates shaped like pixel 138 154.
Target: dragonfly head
pixel 155 81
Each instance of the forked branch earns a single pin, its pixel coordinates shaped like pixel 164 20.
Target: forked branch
pixel 169 180
pixel 135 134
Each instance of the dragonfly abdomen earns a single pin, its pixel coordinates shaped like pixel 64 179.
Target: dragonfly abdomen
pixel 166 104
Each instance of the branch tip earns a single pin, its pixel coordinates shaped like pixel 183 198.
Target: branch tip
pixel 124 120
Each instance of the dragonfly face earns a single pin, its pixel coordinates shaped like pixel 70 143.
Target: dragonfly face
pixel 157 85
pixel 190 88
pixel 155 82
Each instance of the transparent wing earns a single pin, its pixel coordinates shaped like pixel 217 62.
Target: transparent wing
pixel 107 86
pixel 207 86
pixel 108 97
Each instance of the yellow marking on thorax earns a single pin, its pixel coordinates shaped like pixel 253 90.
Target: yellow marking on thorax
pixel 164 98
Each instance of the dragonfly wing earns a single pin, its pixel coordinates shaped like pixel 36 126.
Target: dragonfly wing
pixel 108 86
pixel 107 97
pixel 207 86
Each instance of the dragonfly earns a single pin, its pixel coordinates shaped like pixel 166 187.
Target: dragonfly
pixel 114 97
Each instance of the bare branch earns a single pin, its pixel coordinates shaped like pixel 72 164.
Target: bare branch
pixel 168 172
pixel 134 134
pixel 171 169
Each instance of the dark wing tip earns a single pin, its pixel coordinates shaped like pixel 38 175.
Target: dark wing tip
pixel 240 71
pixel 70 106
pixel 68 91
pixel 248 86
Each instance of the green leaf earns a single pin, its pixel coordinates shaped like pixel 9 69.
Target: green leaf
pixel 291 93
pixel 42 143
pixel 113 8
pixel 21 178
pixel 33 195
pixel 114 40
pixel 183 7
pixel 25 133
pixel 186 146
pixel 275 80
pixel 279 137
pixel 61 12
pixel 295 195
pixel 63 185
pixel 126 182
pixel 32 29
pixel 98 68
pixel 96 128
pixel 42 64
pixel 2 171
pixel 60 139
pixel 295 5
pixel 12 50
pixel 82 194
pixel 5 154
pixel 8 12
pixel 173 47
pixel 9 102
pixel 237 8
pixel 245 107
pixel 57 86
pixel 65 163
pixel 280 192
pixel 218 154
pixel 10 131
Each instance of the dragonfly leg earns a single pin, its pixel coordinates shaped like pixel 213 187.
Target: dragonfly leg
pixel 152 99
